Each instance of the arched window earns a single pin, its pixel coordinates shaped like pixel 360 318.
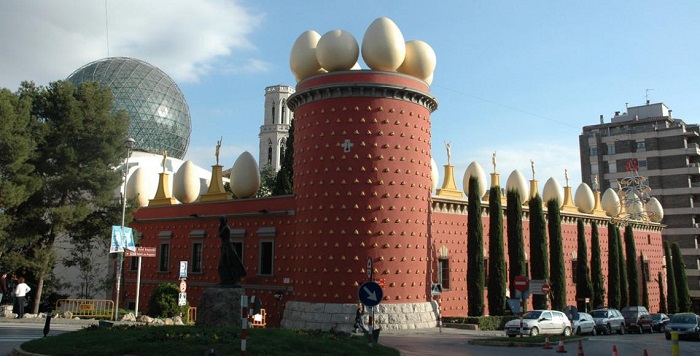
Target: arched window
pixel 283 147
pixel 269 152
pixel 273 113
pixel 283 105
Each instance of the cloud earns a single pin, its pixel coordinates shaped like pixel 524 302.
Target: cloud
pixel 44 41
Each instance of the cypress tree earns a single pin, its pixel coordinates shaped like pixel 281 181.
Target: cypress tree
pixel 613 268
pixel 632 273
pixel 670 281
pixel 624 285
pixel 516 245
pixel 475 252
pixel 584 286
pixel 497 263
pixel 557 272
pixel 683 293
pixel 662 294
pixel 598 299
pixel 539 260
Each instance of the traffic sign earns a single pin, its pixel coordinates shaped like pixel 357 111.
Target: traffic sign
pixel 182 299
pixel 183 269
pixel 370 294
pixel 545 288
pixel 141 251
pixel 520 283
pixel 369 268
pixel 183 286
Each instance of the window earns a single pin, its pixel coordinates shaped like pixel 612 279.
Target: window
pixel 612 167
pixel 196 263
pixel 444 273
pixel 273 113
pixel 283 105
pixel 594 168
pixel 269 152
pixel 266 257
pixel 645 267
pixel 238 246
pixel 642 163
pixel 641 145
pixel 574 269
pixel 593 151
pixel 486 269
pixel 611 149
pixel 164 265
pixel 133 264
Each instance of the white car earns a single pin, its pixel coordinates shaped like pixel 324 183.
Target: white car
pixel 584 325
pixel 547 322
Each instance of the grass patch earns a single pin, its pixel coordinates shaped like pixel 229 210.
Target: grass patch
pixel 191 340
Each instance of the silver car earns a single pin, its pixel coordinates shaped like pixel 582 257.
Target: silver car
pixel 548 322
pixel 608 320
pixel 584 324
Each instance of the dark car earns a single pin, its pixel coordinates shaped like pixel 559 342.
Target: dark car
pixel 608 320
pixel 659 321
pixel 687 325
pixel 637 319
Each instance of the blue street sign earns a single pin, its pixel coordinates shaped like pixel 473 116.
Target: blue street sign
pixel 370 294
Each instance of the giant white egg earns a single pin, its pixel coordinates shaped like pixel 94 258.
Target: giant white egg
pixel 142 185
pixel 420 60
pixel 245 176
pixel 654 210
pixel 302 58
pixel 553 191
pixel 429 80
pixel 517 182
pixel 186 183
pixel 584 199
pixel 337 50
pixel 474 170
pixel 610 202
pixel 383 46
pixel 434 174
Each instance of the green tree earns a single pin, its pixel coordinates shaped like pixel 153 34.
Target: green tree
pixel 684 302
pixel 539 260
pixel 164 302
pixel 632 273
pixel 624 285
pixel 475 251
pixel 79 143
pixel 284 182
pixel 557 271
pixel 17 181
pixel 268 179
pixel 596 269
pixel 670 281
pixel 584 286
pixel 497 264
pixel 516 244
pixel 662 293
pixel 613 268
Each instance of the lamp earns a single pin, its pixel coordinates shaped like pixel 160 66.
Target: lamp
pixel 129 144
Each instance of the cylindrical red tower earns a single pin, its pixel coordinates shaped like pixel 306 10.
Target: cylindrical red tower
pixel 362 184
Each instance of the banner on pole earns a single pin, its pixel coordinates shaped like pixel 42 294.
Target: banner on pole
pixel 122 239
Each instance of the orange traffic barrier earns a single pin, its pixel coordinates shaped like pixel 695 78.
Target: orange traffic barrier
pixel 614 350
pixel 580 348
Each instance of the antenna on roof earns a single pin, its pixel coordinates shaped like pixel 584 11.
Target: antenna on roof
pixel 107 27
pixel 646 95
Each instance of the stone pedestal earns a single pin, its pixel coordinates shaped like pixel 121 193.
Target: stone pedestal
pixel 163 196
pixel 220 306
pixel 216 191
pixel 449 187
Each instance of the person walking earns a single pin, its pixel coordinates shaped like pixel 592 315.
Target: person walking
pixel 3 287
pixel 21 294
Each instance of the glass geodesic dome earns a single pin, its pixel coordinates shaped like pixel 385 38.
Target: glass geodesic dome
pixel 160 117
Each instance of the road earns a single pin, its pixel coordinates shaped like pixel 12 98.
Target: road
pixel 15 332
pixel 453 342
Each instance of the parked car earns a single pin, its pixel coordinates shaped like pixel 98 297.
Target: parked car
pixel 535 322
pixel 637 319
pixel 687 325
pixel 659 321
pixel 608 320
pixel 584 324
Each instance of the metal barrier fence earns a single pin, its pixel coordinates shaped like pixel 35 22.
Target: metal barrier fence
pixel 93 308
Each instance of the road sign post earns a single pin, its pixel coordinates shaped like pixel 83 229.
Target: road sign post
pixel 370 294
pixel 140 252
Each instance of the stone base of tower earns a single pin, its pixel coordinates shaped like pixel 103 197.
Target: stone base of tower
pixel 323 316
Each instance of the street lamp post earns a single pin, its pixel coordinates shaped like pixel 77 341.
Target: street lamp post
pixel 129 143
